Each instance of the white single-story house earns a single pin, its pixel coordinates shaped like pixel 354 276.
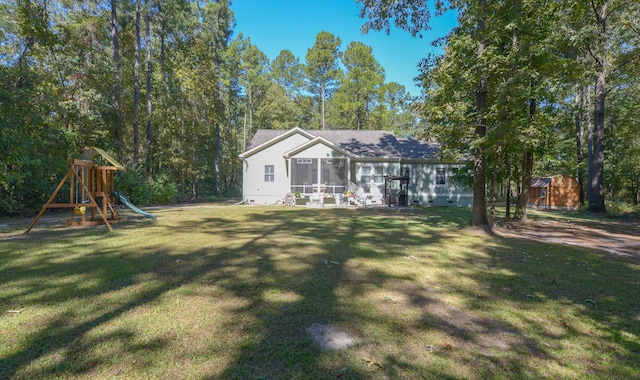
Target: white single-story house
pixel 374 166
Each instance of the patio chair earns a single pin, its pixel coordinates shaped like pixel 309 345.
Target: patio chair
pixel 360 200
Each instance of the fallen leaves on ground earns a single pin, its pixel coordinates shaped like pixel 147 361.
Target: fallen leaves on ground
pixel 372 362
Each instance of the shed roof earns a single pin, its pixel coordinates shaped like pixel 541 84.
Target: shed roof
pixel 540 182
pixel 363 144
pixel 556 180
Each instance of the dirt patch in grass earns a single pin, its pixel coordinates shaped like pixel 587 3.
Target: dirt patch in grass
pixel 329 338
pixel 619 238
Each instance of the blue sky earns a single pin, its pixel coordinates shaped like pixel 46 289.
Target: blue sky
pixel 276 25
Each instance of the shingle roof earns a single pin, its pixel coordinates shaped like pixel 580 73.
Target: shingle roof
pixel 540 182
pixel 364 144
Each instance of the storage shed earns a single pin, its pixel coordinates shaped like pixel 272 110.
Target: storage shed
pixel 560 192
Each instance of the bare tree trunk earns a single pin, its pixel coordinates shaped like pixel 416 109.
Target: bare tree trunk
pixel 136 90
pixel 117 83
pixel 149 144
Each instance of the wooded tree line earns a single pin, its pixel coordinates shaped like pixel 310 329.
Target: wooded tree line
pixel 524 87
pixel 532 87
pixel 168 89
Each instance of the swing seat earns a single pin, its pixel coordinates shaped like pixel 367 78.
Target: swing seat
pixel 79 210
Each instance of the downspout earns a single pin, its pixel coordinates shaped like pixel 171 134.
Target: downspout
pixel 287 164
pixel 349 174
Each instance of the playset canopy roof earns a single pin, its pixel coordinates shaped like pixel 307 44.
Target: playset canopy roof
pixel 92 153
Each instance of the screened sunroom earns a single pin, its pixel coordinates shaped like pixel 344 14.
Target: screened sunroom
pixel 319 175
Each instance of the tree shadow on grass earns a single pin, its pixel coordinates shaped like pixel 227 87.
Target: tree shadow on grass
pixel 340 239
pixel 273 272
pixel 286 269
pixel 543 310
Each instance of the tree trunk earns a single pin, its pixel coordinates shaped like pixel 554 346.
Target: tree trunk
pixel 322 95
pixel 218 108
pixel 250 94
pixel 596 172
pixel 527 171
pixel 217 161
pixel 119 126
pixel 244 130
pixel 479 216
pixel 163 28
pixel 508 210
pixel 589 138
pixel 149 97
pixel 136 90
pixel 579 105
pixel 494 185
pixel 596 164
pixel 527 174
pixel 194 157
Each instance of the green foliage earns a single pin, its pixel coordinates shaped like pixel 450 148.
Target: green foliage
pixel 134 185
pixel 146 190
pixel 34 153
pixel 322 69
pixel 211 93
pixel 163 189
pixel 360 87
pixel 322 63
pixel 288 73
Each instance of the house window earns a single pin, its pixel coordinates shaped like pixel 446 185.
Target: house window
pixel 269 173
pixel 366 174
pixel 441 176
pixel 372 174
pixel 405 171
pixel 378 174
pixel 543 192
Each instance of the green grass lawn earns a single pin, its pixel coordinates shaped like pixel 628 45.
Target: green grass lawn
pixel 228 291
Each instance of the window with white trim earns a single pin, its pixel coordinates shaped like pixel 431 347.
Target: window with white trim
pixel 378 174
pixel 366 175
pixel 372 174
pixel 441 176
pixel 269 173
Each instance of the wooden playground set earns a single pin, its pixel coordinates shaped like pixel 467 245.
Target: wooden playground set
pixel 91 191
